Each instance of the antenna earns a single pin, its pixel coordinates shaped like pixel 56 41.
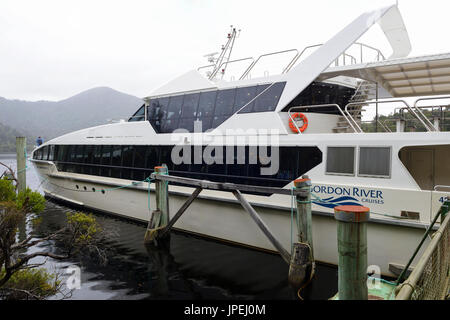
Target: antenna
pixel 224 56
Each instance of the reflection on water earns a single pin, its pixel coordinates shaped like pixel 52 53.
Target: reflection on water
pixel 186 267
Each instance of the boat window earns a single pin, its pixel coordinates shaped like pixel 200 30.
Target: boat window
pixel 119 162
pixel 89 154
pixel 60 152
pixel 45 153
pixel 116 156
pixel 243 96
pixel 139 115
pixel 170 123
pixel 206 106
pixel 79 153
pixel 224 102
pixel 71 153
pixel 127 156
pixel 340 160
pixel 139 156
pixel 97 154
pixel 174 109
pixel 39 154
pixel 375 161
pixel 190 105
pixel 158 108
pixel 189 111
pixel 153 157
pixel 51 152
pixel 106 161
pixel 268 100
pixel 318 93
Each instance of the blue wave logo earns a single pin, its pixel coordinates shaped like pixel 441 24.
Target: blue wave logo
pixel 334 202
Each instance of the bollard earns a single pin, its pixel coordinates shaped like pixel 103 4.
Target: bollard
pixel 302 266
pixel 21 144
pixel 160 216
pixel 304 223
pixel 352 249
pixel 162 196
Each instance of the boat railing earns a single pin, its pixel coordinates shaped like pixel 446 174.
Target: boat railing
pixel 225 64
pixel 357 53
pixel 439 186
pixel 247 71
pixel 315 107
pixel 399 113
pixel 376 102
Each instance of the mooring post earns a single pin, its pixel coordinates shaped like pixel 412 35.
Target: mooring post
pixel 303 200
pixel 162 196
pixel 302 266
pixel 160 216
pixel 21 144
pixel 352 249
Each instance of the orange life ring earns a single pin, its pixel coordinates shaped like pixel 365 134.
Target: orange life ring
pixel 302 117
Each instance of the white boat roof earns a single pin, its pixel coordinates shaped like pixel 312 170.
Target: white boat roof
pixel 404 77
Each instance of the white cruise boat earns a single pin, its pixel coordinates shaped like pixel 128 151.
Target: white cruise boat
pixel 270 129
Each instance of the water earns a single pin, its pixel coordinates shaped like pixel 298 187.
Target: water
pixel 189 268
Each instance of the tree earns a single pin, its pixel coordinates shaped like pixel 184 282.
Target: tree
pixel 20 279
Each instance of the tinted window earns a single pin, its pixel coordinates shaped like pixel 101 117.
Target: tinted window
pixel 106 155
pixel 139 115
pixel 51 152
pixel 45 153
pixel 153 157
pixel 97 154
pixel 243 96
pixel 206 104
pixel 225 102
pixel 79 153
pixel 341 160
pixel 268 100
pixel 89 154
pixel 174 109
pixel 375 161
pixel 190 105
pixel 127 156
pixel 139 156
pixel 116 155
pixel 158 108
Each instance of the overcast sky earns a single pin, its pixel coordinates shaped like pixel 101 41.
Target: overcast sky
pixel 54 49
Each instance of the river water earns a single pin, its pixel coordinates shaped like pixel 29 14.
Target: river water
pixel 189 268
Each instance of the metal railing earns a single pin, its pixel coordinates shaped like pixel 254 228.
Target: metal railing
pixel 318 106
pixel 381 102
pixel 246 72
pixel 430 278
pixel 345 57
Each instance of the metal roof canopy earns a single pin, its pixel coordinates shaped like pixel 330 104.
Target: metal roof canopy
pixel 406 77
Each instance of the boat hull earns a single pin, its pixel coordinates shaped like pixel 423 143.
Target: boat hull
pixel 216 214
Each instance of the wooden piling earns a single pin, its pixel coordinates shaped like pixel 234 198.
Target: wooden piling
pixel 21 144
pixel 160 217
pixel 304 222
pixel 352 249
pixel 162 196
pixel 302 266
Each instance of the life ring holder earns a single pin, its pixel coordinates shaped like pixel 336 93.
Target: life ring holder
pixel 293 127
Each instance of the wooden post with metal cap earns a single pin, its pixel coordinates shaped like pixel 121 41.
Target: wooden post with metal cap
pixel 352 249
pixel 160 216
pixel 302 266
